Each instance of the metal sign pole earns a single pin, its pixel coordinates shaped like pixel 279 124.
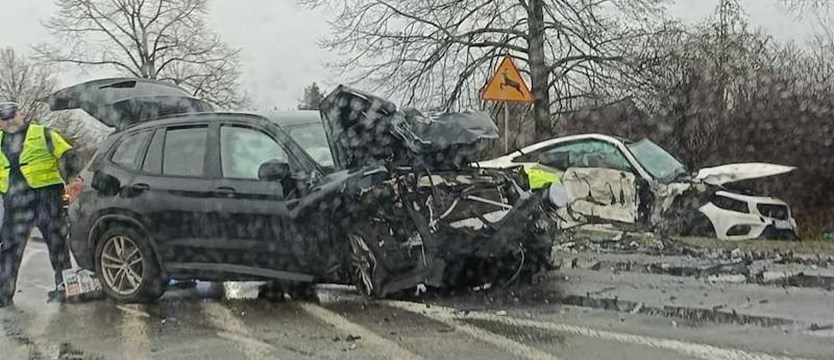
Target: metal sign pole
pixel 506 127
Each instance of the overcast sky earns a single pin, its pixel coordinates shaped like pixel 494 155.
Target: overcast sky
pixel 278 39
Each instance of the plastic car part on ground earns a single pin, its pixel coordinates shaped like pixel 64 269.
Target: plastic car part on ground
pixel 81 285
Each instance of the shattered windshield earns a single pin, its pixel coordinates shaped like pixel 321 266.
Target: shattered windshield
pixel 658 162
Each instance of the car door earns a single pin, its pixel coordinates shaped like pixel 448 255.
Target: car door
pixel 174 192
pixel 255 217
pixel 600 182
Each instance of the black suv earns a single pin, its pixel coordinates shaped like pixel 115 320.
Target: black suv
pixel 180 190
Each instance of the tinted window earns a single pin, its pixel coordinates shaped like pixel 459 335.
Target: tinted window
pixel 153 158
pixel 243 150
pixel 129 151
pixel 184 151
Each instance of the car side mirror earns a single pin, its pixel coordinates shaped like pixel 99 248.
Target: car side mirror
pixel 557 160
pixel 273 170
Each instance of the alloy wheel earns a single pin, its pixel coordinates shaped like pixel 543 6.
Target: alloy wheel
pixel 121 265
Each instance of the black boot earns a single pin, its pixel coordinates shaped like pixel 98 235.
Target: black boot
pixel 58 294
pixel 5 301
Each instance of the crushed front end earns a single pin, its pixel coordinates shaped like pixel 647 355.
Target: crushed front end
pixel 433 221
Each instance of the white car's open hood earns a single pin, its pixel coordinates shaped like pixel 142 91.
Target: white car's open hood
pixel 729 173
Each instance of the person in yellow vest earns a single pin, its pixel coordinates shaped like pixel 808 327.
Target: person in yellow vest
pixel 541 176
pixel 35 163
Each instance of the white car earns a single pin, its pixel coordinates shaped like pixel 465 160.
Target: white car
pixel 639 184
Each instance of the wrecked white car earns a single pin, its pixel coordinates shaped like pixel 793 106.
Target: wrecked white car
pixel 637 185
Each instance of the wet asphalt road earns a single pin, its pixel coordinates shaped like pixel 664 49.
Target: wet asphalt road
pixel 195 324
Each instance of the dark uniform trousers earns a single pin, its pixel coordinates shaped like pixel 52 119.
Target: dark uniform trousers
pixel 23 211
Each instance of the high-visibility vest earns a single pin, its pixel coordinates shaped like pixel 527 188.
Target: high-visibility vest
pixel 38 165
pixel 540 176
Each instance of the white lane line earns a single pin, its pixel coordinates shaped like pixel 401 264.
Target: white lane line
pixel 511 346
pixel 134 332
pixel 388 348
pixel 235 330
pixel 253 343
pixel 690 349
pixel 133 311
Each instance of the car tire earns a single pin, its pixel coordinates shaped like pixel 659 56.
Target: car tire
pixel 127 266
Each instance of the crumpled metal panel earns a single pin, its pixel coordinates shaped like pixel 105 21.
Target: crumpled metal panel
pixel 365 129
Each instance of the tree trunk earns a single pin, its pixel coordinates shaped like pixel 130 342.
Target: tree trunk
pixel 538 70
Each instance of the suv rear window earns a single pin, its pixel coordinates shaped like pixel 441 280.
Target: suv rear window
pixel 184 151
pixel 129 151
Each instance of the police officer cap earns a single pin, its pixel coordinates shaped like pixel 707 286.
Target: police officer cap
pixel 8 110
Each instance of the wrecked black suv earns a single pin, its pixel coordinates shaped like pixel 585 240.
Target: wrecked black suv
pixel 180 190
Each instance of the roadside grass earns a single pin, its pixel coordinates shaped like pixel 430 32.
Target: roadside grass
pixel 810 247
pixel 806 247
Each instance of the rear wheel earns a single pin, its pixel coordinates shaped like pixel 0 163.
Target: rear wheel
pixel 127 267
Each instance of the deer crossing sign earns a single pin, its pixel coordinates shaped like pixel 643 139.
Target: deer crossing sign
pixel 507 85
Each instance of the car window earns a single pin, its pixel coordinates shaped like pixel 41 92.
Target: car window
pixel 153 157
pixel 184 151
pixel 243 150
pixel 585 153
pixel 313 140
pixel 129 151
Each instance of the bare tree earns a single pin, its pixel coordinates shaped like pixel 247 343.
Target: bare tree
pixel 154 39
pixel 24 81
pixel 27 82
pixel 800 6
pixel 444 50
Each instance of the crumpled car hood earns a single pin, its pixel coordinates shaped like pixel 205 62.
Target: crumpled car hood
pixel 363 129
pixel 729 173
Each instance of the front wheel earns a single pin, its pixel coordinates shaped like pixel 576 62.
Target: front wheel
pixel 127 267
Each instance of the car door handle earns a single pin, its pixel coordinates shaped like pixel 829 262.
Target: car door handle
pixel 140 187
pixel 136 189
pixel 225 191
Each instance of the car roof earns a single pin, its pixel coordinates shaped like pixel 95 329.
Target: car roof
pixel 546 143
pixel 293 118
pixel 191 117
pixel 285 119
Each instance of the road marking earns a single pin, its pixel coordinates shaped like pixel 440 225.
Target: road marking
pixel 236 330
pixel 448 318
pixel 690 349
pixel 134 332
pixel 255 343
pixel 511 346
pixel 133 311
pixel 387 347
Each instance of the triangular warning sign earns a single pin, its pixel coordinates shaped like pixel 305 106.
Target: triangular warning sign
pixel 507 85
